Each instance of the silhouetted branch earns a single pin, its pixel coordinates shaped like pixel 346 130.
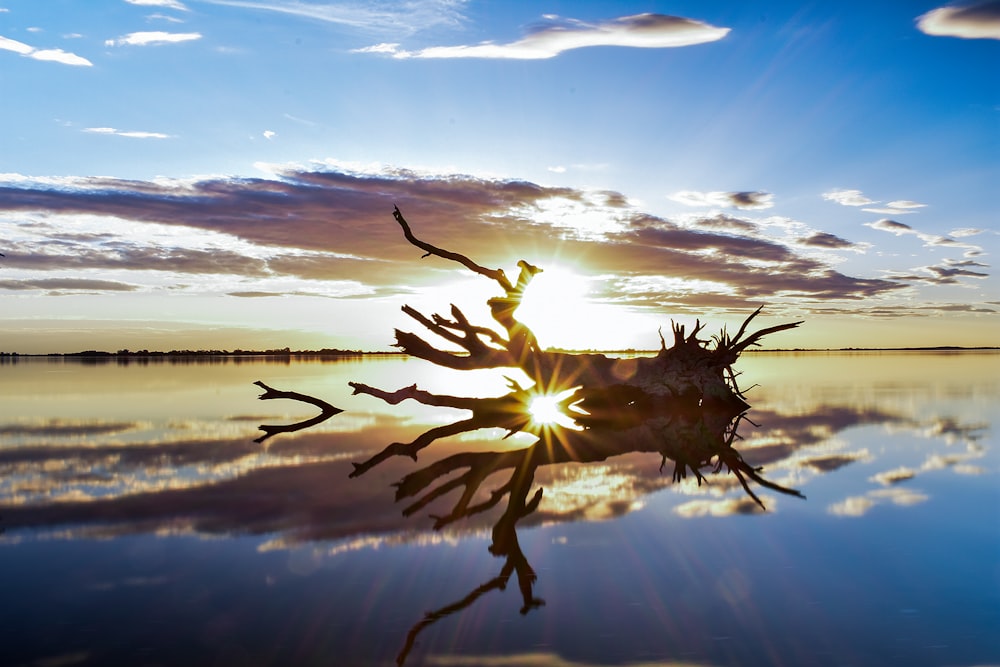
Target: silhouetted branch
pixel 269 430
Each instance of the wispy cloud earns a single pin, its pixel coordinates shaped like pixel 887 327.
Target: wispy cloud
pixel 555 35
pixel 832 241
pixel 67 284
pixel 946 273
pixel 900 229
pixel 848 197
pixel 980 20
pixel 857 198
pixel 167 4
pixel 396 16
pixel 742 200
pixel 50 55
pixel 132 134
pixel 897 208
pixel 152 38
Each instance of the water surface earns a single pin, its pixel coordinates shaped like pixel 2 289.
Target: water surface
pixel 143 524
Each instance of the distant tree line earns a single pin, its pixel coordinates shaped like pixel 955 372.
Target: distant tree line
pixel 281 352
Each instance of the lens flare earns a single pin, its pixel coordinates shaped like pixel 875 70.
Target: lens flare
pixel 552 410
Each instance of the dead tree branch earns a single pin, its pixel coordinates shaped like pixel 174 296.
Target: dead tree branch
pixel 326 411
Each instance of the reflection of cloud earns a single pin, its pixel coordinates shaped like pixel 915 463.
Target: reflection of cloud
pixel 725 507
pixel 556 35
pixel 832 462
pixel 904 497
pixel 894 476
pixel 63 428
pixel 856 506
pixel 853 506
pixel 978 20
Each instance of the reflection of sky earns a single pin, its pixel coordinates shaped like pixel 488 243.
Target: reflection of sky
pixel 123 434
pixel 890 560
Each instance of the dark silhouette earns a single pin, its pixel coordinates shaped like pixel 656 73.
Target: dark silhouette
pixel 695 439
pixel 326 411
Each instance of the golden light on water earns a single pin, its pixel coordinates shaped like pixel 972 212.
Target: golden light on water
pixel 553 410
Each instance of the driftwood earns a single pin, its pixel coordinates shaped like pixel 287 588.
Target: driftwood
pixel 690 370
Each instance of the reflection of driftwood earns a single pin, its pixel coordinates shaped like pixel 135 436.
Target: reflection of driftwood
pixel 504 544
pixel 694 440
pixel 509 412
pixel 326 411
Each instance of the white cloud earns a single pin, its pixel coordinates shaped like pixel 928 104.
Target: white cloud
pixel 268 134
pixel 384 47
pixel 965 231
pixel 857 198
pixel 122 133
pixel 848 197
pixel 15 46
pixel 50 55
pixel 903 203
pixel 60 56
pixel 899 229
pixel 152 38
pixel 973 21
pixel 169 4
pixel 556 36
pixel 898 207
pixel 743 200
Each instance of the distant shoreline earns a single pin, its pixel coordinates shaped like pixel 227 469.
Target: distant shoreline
pixel 337 353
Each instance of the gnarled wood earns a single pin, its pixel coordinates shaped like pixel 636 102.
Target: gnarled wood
pixel 689 370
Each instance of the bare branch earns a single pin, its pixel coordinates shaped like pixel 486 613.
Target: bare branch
pixel 494 274
pixel 326 411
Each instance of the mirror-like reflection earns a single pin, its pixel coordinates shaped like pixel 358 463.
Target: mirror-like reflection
pixel 111 477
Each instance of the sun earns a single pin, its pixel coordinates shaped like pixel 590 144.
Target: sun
pixel 555 303
pixel 560 308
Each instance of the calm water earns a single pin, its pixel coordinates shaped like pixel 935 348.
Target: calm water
pixel 144 526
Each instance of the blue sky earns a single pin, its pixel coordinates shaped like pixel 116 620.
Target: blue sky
pixel 221 173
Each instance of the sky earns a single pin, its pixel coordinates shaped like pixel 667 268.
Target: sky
pixel 221 174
